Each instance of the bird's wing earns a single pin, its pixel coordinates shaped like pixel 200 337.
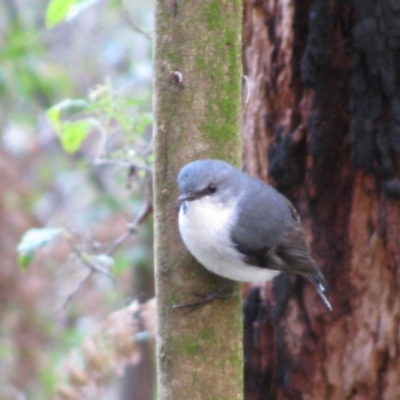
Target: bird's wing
pixel 289 255
pixel 262 216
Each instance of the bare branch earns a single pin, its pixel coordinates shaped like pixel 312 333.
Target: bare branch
pixel 94 267
pixel 77 288
pixel 133 226
pixel 130 21
pixel 122 163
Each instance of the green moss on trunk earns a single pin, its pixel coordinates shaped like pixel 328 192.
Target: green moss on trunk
pixel 197 109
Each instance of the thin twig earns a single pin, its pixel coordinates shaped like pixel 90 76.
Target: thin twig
pixel 122 163
pixel 131 22
pixel 94 267
pixel 132 227
pixel 91 264
pixel 77 288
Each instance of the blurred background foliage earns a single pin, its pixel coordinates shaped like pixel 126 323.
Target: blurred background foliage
pixel 75 153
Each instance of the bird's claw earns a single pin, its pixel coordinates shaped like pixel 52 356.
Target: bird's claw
pixel 204 300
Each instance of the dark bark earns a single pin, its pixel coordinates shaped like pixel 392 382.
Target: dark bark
pixel 323 125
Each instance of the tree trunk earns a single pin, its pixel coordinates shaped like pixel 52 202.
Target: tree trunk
pixel 197 109
pixel 323 123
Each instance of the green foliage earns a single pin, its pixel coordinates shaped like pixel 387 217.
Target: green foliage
pixel 25 80
pixel 71 105
pixel 110 108
pixel 58 10
pixel 49 186
pixel 34 239
pixel 106 110
pixel 73 135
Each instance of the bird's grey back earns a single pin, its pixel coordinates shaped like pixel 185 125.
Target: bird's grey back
pixel 263 216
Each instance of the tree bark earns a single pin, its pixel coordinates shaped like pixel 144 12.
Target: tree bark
pixel 197 109
pixel 323 126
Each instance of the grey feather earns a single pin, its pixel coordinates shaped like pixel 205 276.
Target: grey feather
pixel 279 245
pixel 267 231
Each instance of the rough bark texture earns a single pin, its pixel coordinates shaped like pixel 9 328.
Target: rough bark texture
pixel 198 87
pixel 323 123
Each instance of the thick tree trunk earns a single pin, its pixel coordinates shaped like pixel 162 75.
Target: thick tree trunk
pixel 323 123
pixel 197 86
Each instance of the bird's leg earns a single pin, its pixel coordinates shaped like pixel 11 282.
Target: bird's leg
pixel 194 305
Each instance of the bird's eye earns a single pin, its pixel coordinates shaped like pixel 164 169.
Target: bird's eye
pixel 211 188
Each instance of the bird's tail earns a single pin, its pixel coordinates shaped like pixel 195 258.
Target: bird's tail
pixel 291 255
pixel 320 285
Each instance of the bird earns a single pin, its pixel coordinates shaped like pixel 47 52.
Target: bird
pixel 241 228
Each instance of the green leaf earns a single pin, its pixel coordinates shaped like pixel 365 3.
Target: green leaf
pixel 34 239
pixel 57 10
pixel 24 259
pixel 37 237
pixel 73 134
pixel 54 116
pixel 70 106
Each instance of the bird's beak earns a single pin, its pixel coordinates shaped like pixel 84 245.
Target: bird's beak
pixel 185 197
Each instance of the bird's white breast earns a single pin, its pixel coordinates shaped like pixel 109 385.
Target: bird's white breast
pixel 205 226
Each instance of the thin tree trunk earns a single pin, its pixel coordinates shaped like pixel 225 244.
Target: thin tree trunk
pixel 197 109
pixel 323 125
